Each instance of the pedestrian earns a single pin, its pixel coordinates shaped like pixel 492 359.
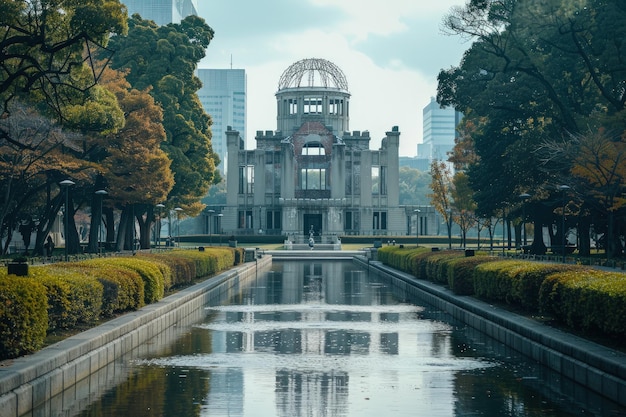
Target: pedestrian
pixel 49 246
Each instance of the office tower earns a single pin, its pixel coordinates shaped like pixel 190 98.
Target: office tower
pixel 162 11
pixel 223 96
pixel 439 127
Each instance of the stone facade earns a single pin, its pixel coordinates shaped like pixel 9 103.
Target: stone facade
pixel 312 175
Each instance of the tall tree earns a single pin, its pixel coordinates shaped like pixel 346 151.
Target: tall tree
pixel 135 169
pixel 536 71
pixel 164 58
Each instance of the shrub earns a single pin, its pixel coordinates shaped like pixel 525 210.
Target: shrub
pixel 493 280
pixel 23 316
pixel 461 273
pixel 72 297
pixel 527 282
pixel 123 288
pixel 153 279
pixel 589 300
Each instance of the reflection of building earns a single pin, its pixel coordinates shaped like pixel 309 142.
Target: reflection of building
pixel 312 173
pixel 162 11
pixel 223 96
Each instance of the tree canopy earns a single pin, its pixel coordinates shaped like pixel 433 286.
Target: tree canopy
pixel 163 59
pixel 536 72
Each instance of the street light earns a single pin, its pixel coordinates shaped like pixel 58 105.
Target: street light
pixel 66 184
pixel 563 189
pixel 524 197
pixel 219 230
pixel 417 227
pixel 100 194
pixel 178 210
pixel 210 213
pixel 158 231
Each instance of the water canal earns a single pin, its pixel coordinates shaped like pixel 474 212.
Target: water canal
pixel 328 338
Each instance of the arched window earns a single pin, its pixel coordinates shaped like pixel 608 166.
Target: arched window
pixel 313 148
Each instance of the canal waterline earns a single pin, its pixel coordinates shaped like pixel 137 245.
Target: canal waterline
pixel 327 338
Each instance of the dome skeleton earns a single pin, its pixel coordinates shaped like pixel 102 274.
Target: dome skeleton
pixel 310 70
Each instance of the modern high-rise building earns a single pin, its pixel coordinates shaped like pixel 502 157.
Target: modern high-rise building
pixel 439 131
pixel 162 11
pixel 223 96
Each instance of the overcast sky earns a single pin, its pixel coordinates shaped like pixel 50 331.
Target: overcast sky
pixel 390 51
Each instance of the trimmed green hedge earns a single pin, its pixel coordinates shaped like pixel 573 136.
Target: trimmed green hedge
pixel 589 300
pixel 583 298
pixel 23 316
pixel 62 295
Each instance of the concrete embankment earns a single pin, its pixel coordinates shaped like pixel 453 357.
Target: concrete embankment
pixel 600 369
pixel 30 381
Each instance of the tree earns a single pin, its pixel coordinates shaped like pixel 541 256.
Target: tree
pixel 535 71
pixel 464 204
pixel 414 186
pixel 164 58
pixel 441 197
pixel 42 46
pixel 45 68
pixel 135 168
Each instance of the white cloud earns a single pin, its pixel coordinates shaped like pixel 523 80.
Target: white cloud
pixel 387 50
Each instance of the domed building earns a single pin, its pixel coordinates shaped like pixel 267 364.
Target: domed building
pixel 312 175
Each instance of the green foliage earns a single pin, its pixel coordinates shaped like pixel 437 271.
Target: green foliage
pixel 461 273
pixel 72 297
pixel 153 279
pixel 123 288
pixel 493 280
pixel 436 265
pixel 583 298
pixel 589 300
pixel 164 59
pixel 23 316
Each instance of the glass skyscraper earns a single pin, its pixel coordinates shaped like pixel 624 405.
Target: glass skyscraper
pixel 223 96
pixel 439 131
pixel 162 11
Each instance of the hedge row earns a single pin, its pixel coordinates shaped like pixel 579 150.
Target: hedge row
pixel 583 298
pixel 63 295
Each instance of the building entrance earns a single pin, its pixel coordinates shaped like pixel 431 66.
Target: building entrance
pixel 312 223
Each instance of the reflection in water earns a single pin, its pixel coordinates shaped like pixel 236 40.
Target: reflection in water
pixel 329 339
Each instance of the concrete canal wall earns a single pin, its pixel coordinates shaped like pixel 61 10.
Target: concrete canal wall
pixel 600 369
pixel 28 382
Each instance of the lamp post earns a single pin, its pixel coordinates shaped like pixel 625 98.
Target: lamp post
pixel 100 194
pixel 66 184
pixel 158 225
pixel 524 197
pixel 503 229
pixel 417 227
pixel 210 214
pixel 220 226
pixel 563 189
pixel 449 225
pixel 178 210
